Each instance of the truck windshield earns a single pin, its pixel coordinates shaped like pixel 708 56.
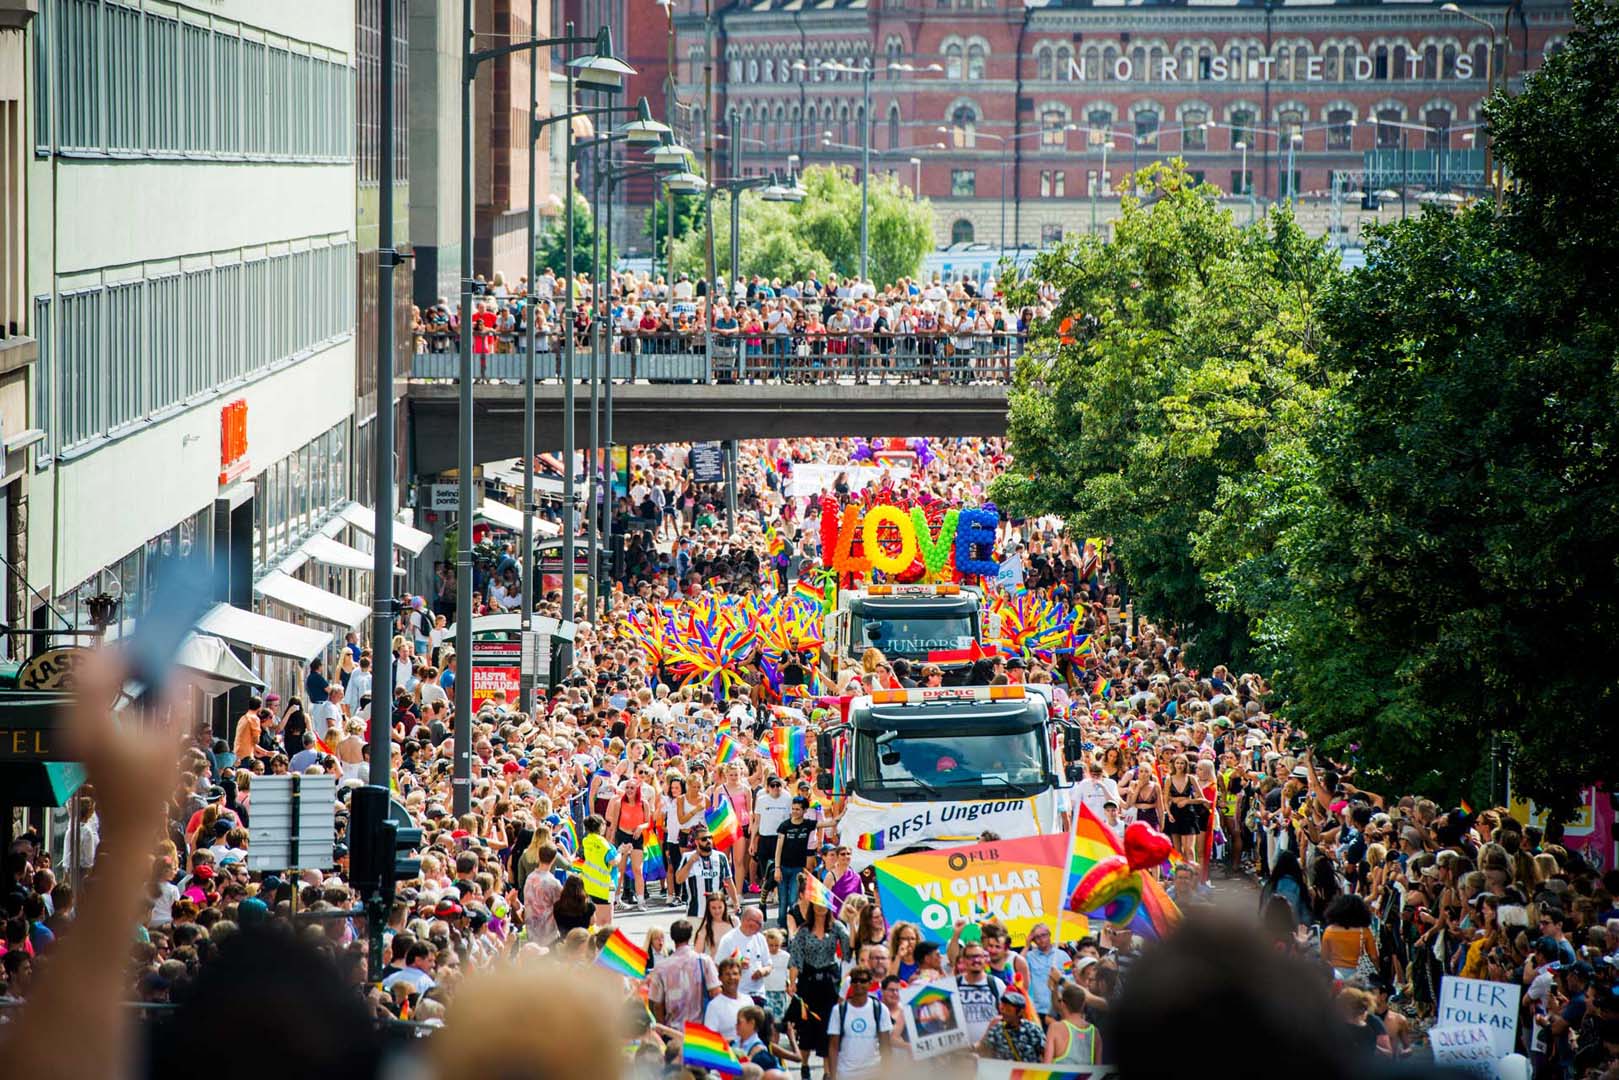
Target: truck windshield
pixel 907 635
pixel 962 757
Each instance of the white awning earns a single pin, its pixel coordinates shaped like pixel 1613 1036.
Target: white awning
pixel 325 550
pixel 509 517
pixel 213 667
pixel 406 536
pixel 262 634
pixel 510 473
pixel 315 601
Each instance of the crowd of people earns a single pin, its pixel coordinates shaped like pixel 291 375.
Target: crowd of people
pixel 762 328
pixel 777 943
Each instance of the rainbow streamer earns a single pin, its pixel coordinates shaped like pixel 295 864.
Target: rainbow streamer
pixel 1034 626
pixel 620 955
pixel 704 1048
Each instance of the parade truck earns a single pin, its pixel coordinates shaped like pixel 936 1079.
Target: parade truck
pixel 939 624
pixel 940 766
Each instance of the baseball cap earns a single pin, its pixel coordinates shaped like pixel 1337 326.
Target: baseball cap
pixel 1014 997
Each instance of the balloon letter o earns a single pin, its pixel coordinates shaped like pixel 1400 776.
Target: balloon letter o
pixel 881 559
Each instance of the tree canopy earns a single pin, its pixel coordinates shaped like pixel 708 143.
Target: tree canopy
pixel 820 235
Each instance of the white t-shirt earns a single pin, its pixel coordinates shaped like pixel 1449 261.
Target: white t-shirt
pixel 1094 793
pixel 721 1013
pixel 750 947
pixel 323 716
pixel 859 1049
pixel 770 811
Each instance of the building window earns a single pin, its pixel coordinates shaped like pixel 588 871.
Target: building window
pixel 1064 63
pixel 1050 235
pixel 1438 121
pixel 1042 63
pixel 1388 132
pixel 1197 176
pixel 975 61
pixel 1242 122
pixel 1053 183
pixel 1194 136
pixel 1288 121
pixel 1242 182
pixel 1340 133
pixel 961 231
pixel 952 61
pixel 964 127
pixel 1146 128
pixel 963 182
pixel 1054 128
pixel 893 126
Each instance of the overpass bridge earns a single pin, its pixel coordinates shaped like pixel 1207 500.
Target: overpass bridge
pixel 652 403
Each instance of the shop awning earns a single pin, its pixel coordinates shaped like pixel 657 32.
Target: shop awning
pixel 509 517
pixel 329 552
pixel 46 783
pixel 312 600
pixel 262 634
pixel 213 667
pixel 406 536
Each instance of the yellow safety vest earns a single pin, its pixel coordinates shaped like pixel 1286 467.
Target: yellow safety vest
pixel 595 869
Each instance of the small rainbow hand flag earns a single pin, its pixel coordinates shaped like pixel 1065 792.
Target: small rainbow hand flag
pixel 819 894
pixel 621 956
pixel 1101 688
pixel 727 750
pixel 872 841
pixel 704 1048
pixel 652 864
pixel 723 826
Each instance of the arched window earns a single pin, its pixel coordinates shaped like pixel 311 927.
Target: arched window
pixel 1430 62
pixel 1402 63
pixel 1284 62
pixel 1110 60
pixel 1138 62
pixel 893 127
pixel 1388 135
pixel 1350 53
pixel 843 125
pixel 1042 63
pixel 1329 64
pixel 1155 58
pixel 952 61
pixel 1340 136
pixel 975 61
pixel 1380 63
pixel 1063 62
pixel 1053 127
pixel 961 231
pixel 1439 120
pixel 1447 61
pixel 1288 121
pixel 1146 127
pixel 1481 59
pixel 964 127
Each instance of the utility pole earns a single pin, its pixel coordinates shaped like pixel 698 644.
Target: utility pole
pixel 380 746
pixel 461 775
pixel 526 622
pixel 569 494
pixel 865 170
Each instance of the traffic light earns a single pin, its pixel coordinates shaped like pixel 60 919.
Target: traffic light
pixel 378 847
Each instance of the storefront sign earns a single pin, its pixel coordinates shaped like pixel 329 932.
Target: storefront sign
pixel 233 460
pixel 51 670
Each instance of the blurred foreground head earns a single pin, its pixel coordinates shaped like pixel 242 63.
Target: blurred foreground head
pixel 533 1022
pixel 1216 982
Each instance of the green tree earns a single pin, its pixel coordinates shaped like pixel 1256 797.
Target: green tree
pixel 551 244
pixel 1449 527
pixel 688 216
pixel 1174 355
pixel 820 234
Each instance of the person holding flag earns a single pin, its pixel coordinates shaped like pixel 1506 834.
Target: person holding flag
pixel 817 950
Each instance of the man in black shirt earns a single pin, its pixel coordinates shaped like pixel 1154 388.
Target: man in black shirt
pixel 792 854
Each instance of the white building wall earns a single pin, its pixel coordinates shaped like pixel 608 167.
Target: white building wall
pixel 108 218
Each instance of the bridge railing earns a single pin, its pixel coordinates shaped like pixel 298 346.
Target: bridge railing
pixel 736 356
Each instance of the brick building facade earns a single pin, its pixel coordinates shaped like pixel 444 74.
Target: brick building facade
pixel 1030 100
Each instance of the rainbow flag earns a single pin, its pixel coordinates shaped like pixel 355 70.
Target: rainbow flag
pixel 788 749
pixel 776 545
pixel 1100 689
pixel 1053 1072
pixel 872 841
pixel 723 826
pixel 563 834
pixel 652 865
pixel 1467 808
pixel 1094 856
pixel 819 894
pixel 704 1048
pixel 728 749
pixel 621 956
pixel 1157 914
pixel 322 746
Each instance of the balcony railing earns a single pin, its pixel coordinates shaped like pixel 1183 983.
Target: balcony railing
pixel 738 356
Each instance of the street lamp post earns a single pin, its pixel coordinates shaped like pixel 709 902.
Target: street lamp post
pixel 600 70
pixel 1292 184
pixel 380 751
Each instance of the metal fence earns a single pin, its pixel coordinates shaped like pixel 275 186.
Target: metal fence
pixel 736 356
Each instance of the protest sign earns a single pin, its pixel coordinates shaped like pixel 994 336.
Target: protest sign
pixel 1469 1048
pixel 933 1021
pixel 1492 1005
pixel 1019 882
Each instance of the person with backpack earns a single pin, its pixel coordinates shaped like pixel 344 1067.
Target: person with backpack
pixel 858 1031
